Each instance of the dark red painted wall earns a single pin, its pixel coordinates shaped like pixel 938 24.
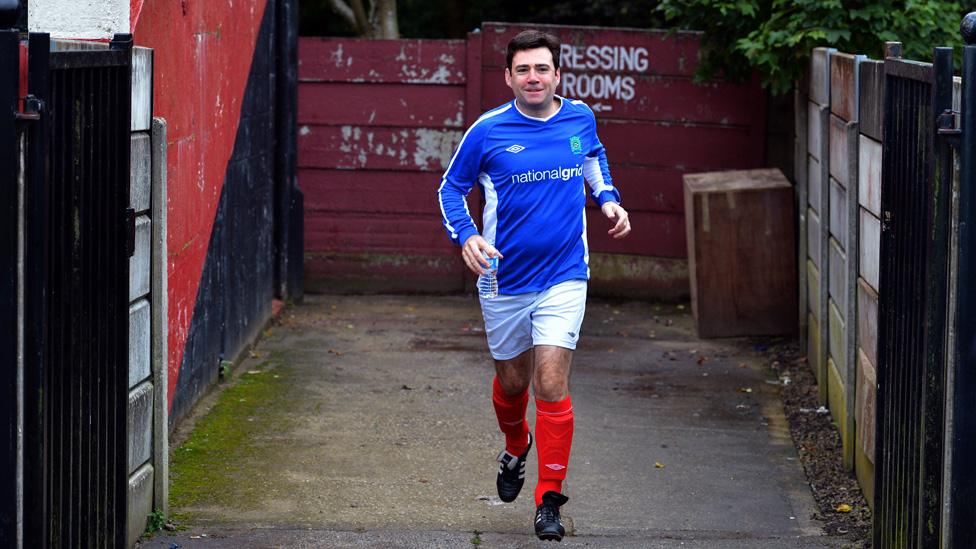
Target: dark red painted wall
pixel 378 121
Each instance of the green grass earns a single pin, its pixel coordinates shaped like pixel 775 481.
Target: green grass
pixel 213 466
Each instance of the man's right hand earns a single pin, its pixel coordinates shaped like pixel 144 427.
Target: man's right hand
pixel 472 254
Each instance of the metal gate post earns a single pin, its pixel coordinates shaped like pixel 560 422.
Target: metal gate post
pixel 9 395
pixel 962 491
pixel 35 303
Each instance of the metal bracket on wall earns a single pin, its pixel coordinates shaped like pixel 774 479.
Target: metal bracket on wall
pixel 32 110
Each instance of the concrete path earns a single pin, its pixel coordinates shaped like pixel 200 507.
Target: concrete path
pixel 374 427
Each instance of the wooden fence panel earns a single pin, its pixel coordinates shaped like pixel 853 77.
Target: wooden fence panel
pixel 378 121
pixel 871 105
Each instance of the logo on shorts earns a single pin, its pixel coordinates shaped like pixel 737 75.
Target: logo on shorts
pixel 556 466
pixel 572 334
pixel 576 145
pixel 515 149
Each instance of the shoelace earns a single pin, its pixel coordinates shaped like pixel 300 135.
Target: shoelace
pixel 548 513
pixel 508 462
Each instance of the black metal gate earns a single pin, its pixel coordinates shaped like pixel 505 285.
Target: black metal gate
pixel 912 308
pixel 9 394
pixel 78 239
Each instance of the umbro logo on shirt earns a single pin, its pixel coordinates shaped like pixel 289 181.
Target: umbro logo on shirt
pixel 515 149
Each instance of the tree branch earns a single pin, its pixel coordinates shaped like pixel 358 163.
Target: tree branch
pixel 365 29
pixel 386 15
pixel 345 12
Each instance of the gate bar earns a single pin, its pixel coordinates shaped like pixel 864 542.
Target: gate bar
pixel 9 395
pixel 35 302
pixel 962 492
pixel 936 298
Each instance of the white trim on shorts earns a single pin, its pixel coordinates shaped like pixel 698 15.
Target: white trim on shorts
pixel 516 323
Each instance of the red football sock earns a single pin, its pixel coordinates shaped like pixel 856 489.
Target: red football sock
pixel 554 439
pixel 510 410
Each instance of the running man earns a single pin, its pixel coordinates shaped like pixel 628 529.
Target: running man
pixel 530 158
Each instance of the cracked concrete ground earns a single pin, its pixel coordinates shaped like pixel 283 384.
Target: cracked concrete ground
pixel 381 434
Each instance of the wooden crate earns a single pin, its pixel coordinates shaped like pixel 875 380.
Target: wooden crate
pixel 741 252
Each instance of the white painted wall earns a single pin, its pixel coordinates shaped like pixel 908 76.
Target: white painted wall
pixel 78 18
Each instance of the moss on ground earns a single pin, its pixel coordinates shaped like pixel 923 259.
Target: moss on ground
pixel 214 465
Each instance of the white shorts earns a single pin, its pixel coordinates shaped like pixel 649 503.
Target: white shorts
pixel 516 323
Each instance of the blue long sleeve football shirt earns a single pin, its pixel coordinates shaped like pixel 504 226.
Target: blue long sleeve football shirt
pixel 531 172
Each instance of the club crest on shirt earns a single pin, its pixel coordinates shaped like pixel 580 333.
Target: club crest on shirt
pixel 576 145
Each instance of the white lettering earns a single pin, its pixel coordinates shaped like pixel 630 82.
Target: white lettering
pixel 565 55
pixel 626 61
pixel 598 86
pixel 554 174
pixel 577 57
pixel 640 60
pixel 591 57
pixel 568 82
pixel 583 85
pixel 595 85
pixel 627 88
pixel 613 86
pixel 606 55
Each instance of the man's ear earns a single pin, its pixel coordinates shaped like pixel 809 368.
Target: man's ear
pixel 555 82
pixel 508 77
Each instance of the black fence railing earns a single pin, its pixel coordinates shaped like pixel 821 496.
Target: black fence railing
pixel 78 237
pixel 9 394
pixel 907 185
pixel 922 343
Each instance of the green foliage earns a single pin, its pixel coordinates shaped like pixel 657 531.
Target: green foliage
pixel 155 522
pixel 455 18
pixel 774 37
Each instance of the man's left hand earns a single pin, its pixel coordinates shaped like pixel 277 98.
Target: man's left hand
pixel 614 212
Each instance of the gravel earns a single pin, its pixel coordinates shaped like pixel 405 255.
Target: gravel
pixel 818 445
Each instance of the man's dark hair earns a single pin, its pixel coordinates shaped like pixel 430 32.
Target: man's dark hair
pixel 530 40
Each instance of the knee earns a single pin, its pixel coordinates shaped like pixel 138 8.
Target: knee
pixel 513 385
pixel 551 387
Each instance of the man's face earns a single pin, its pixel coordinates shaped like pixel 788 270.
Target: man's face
pixel 533 78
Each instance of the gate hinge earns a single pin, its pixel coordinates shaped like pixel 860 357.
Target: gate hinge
pixel 32 109
pixel 130 232
pixel 948 123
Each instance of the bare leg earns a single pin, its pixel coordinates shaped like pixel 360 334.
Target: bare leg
pixel 515 374
pixel 552 366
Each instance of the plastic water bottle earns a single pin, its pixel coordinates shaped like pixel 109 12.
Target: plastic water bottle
pixel 488 282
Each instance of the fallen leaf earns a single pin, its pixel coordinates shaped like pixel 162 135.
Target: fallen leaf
pixel 702 360
pixel 336 353
pixel 843 508
pixel 658 465
pixel 745 389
